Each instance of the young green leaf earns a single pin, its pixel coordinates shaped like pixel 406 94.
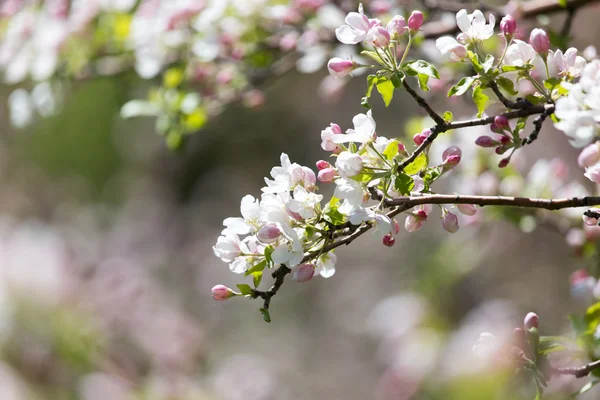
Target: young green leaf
pixel 447 117
pixel 244 289
pixel 423 67
pixel 507 85
pixel 404 184
pixel 265 314
pixel 386 89
pixel 420 163
pixel 423 79
pixel 461 87
pixel 480 99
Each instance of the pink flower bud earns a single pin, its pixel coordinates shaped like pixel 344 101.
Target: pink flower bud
pixel 505 139
pixel 508 25
pixel 388 240
pixel 531 321
pixel 501 150
pixel 268 233
pixel 486 141
pixel 450 222
pixel 539 40
pixel 402 149
pixel 397 26
pixel 326 175
pixel 451 156
pixel 501 122
pixel 590 155
pixel 335 128
pixel 303 272
pixel 467 209
pixel 503 163
pixel 378 37
pixel 221 292
pixel 419 138
pixel 415 20
pixel 339 67
pixel 322 164
pixel 308 177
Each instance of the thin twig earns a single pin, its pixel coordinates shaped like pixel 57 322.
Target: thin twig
pixel 578 372
pixel 520 103
pixel 423 104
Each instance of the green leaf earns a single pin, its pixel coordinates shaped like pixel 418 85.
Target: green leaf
pixel 257 278
pixel 423 79
pixel 510 68
pixel 386 89
pixel 423 67
pixel 371 82
pixel 520 125
pixel 265 314
pixel 256 268
pixel 244 289
pixel 475 62
pixel 480 100
pixel 332 215
pixel 372 55
pixel 268 251
pixel 507 85
pixel 404 184
pixel 488 63
pixel 397 79
pixel 391 150
pixel 586 388
pixel 461 87
pixel 420 163
pixel 448 117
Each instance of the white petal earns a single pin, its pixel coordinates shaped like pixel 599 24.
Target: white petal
pixel 237 225
pixel 462 20
pixel 347 35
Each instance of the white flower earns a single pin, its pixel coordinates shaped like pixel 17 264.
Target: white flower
pixel 348 164
pixel 449 45
pixel 282 176
pixel 273 207
pixel 569 63
pixel 577 121
pixel 356 214
pixel 364 129
pixel 250 209
pixel 291 252
pixel 304 202
pixel 382 225
pixel 519 53
pixel 356 29
pixel 325 265
pixel 228 247
pixel 350 191
pixel 473 26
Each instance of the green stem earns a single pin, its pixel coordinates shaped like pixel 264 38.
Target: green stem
pixel 406 50
pixel 539 87
pixel 508 42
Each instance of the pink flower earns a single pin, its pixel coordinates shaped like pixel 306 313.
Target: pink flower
pixel 450 222
pixel 339 67
pixel 388 240
pixel 268 233
pixel 356 29
pixel 467 209
pixel 415 21
pixel 593 173
pixel 451 156
pixel 486 141
pixel 378 37
pixel 419 138
pixel 415 220
pixel 531 321
pixel 508 25
pixel 327 175
pixel 397 26
pixel 322 164
pixel 590 155
pixel 303 272
pixel 221 292
pixel 327 136
pixel 539 41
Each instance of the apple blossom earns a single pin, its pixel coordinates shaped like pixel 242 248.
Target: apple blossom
pixel 569 64
pixel 221 292
pixel 519 54
pixel 414 221
pixel 420 137
pixel 326 175
pixel 451 156
pixel 228 247
pixel 449 221
pixel 467 209
pixel 303 272
pixel 268 233
pixel 364 130
pixel 415 21
pixel 322 164
pixel 378 37
pixel 339 67
pixel 487 346
pixel 473 26
pixel 531 321
pixel 589 156
pixel 348 164
pixel 539 40
pixel 508 25
pixel 250 209
pixel 325 265
pixel 447 45
pixel 593 173
pixel 396 27
pixel 355 30
pixel 327 135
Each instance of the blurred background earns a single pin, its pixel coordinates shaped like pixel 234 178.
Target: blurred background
pixel 106 263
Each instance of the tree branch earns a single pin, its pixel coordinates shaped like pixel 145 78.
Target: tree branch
pixel 578 372
pixel 423 104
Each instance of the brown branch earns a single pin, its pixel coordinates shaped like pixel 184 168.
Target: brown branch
pixel 578 372
pixel 423 104
pixel 520 103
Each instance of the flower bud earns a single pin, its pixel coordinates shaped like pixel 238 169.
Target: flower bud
pixel 501 122
pixel 531 321
pixel 268 233
pixel 388 240
pixel 486 141
pixel 508 25
pixel 415 20
pixel 593 173
pixel 339 67
pixel 303 272
pixel 520 339
pixel 539 40
pixel 505 139
pixel 451 156
pixel 308 177
pixel 397 26
pixel 402 150
pixel 590 155
pixel 327 175
pixel 322 164
pixel 221 292
pixel 419 138
pixel 450 222
pixel 503 163
pixel 378 37
pixel 467 209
